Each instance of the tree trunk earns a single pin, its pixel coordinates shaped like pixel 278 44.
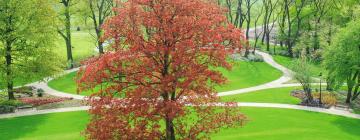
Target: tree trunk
pixel 99 42
pixel 247 52
pixel 68 35
pixel 308 95
pixel 349 90
pixel 267 40
pixel 288 38
pixel 316 36
pixel 265 25
pixel 9 76
pixel 170 132
pixel 290 51
pixel 348 97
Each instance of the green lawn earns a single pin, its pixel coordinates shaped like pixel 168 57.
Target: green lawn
pixel 287 62
pixel 276 95
pixel 67 84
pixel 244 74
pixel 264 124
pixel 58 126
pixel 83 46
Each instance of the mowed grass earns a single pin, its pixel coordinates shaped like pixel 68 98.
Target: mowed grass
pixel 287 62
pixel 263 124
pixel 275 95
pixel 83 46
pixel 243 74
pixel 58 126
pixel 247 74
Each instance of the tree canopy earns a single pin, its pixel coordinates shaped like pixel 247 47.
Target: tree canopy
pixel 27 33
pixel 342 58
pixel 160 64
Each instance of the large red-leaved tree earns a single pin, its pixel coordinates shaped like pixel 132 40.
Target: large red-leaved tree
pixel 157 80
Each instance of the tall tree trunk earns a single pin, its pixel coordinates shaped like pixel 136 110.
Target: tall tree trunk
pixel 68 35
pixel 99 42
pixel 228 4
pixel 288 38
pixel 350 85
pixel 316 36
pixel 330 31
pixel 308 94
pixel 265 22
pixel 348 96
pixel 9 76
pixel 170 132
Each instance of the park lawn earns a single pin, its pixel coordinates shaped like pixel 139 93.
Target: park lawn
pixel 287 62
pixel 285 124
pixel 247 74
pixel 274 95
pixel 83 46
pixel 67 84
pixel 243 75
pixel 263 124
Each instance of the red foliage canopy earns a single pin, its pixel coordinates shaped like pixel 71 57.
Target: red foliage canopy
pixel 156 80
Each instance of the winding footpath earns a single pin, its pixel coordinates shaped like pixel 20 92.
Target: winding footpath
pixel 274 84
pixel 279 83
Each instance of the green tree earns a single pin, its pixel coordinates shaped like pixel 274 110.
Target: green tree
pixel 342 59
pixel 302 73
pixel 98 11
pixel 65 29
pixel 27 33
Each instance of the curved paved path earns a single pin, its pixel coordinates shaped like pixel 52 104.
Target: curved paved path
pixel 267 58
pixel 273 84
pixel 44 85
pixel 331 111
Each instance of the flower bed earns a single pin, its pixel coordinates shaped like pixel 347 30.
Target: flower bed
pixel 42 101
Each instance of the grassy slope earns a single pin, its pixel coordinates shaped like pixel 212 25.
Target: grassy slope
pixel 264 124
pixel 287 62
pixel 83 46
pixel 243 74
pixel 247 74
pixel 276 95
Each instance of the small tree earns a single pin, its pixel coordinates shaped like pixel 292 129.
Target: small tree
pixel 98 11
pixel 302 73
pixel 160 64
pixel 65 28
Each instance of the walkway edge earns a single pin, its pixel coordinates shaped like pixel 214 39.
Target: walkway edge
pixel 330 111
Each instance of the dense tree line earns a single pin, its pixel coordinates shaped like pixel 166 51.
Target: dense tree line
pixel 303 28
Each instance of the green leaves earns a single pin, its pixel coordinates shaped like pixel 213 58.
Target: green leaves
pixel 28 28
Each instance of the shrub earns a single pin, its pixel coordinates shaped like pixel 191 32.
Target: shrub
pixel 7 109
pixel 25 90
pixel 283 53
pixel 9 106
pixel 327 98
pixel 14 103
pixel 255 58
pixel 40 92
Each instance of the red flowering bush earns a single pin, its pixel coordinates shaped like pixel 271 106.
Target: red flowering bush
pixel 42 101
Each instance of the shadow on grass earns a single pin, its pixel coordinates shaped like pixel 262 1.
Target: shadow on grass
pixel 15 128
pixel 349 126
pixel 62 126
